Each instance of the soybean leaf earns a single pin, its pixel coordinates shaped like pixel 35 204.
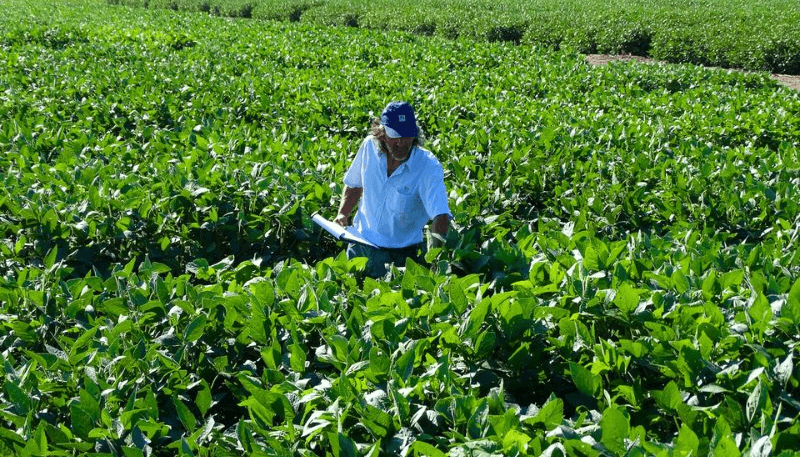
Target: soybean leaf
pixel 615 426
pixel 184 414
pixel 194 331
pixel 586 381
pixel 687 442
pixel 627 299
pixel 791 309
pixel 203 399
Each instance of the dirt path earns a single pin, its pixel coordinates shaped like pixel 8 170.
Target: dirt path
pixel 790 81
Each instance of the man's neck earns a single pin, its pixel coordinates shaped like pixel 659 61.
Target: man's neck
pixel 393 164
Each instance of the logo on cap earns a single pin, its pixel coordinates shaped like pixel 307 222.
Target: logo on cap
pixel 402 118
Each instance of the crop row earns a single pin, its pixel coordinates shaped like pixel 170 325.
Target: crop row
pixel 741 34
pixel 622 275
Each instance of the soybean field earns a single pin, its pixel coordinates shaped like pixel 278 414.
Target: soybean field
pixel 622 274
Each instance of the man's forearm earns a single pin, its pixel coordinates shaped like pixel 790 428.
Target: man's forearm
pixel 350 199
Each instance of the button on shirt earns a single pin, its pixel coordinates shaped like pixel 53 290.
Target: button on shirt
pixel 393 210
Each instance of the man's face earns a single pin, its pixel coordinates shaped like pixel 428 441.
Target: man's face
pixel 399 147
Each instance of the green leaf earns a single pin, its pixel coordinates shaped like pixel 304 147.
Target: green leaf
pixel 401 404
pixel 127 271
pixel 615 427
pixel 340 347
pixel 727 446
pixel 203 400
pixel 379 361
pixel 378 422
pixel 24 331
pixel 586 381
pixel 760 311
pixel 791 309
pixel 732 279
pixel 502 424
pixel 201 269
pixel 457 296
pixel 783 370
pixel 342 446
pixel 20 244
pixel 756 402
pixel 114 306
pixel 50 258
pixel 262 292
pixel 710 285
pixel 224 264
pixel 90 405
pixel 122 327
pixel 669 398
pixel 515 440
pixel 576 447
pixel 551 415
pixel 423 449
pixel 82 422
pixel 288 281
pixel 18 397
pixel 186 450
pixel 485 345
pixel 244 435
pixel 11 438
pixel 167 361
pixel 257 324
pixel 476 320
pixel 627 299
pixel 271 355
pixel 297 359
pixel 40 439
pixel 687 442
pixel 477 424
pixel 404 364
pixel 56 434
pixel 680 281
pixel 592 259
pixel 184 414
pixel 194 331
pixel 521 358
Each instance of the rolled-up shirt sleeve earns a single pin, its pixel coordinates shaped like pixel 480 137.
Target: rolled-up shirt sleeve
pixel 433 193
pixel 355 174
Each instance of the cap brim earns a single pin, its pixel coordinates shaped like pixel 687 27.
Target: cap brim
pixel 391 133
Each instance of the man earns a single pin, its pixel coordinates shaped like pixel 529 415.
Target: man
pixel 398 187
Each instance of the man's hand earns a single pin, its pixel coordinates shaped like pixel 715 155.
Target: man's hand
pixel 350 199
pixel 343 220
pixel 441 224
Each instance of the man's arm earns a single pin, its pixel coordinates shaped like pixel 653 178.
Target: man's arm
pixel 439 228
pixel 350 199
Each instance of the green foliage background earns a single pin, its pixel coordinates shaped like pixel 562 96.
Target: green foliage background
pixel 622 276
pixel 759 36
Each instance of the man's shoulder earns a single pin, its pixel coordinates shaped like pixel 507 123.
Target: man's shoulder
pixel 370 142
pixel 427 159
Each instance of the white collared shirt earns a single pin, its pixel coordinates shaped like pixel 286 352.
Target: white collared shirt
pixel 394 210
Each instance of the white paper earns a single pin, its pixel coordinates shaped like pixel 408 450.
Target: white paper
pixel 348 234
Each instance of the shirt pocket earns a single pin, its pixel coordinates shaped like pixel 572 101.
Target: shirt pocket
pixel 400 200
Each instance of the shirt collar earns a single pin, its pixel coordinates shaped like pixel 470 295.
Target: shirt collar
pixel 412 157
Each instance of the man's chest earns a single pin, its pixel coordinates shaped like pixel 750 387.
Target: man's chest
pixel 381 176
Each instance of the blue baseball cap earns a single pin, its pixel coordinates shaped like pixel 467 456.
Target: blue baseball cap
pixel 398 120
